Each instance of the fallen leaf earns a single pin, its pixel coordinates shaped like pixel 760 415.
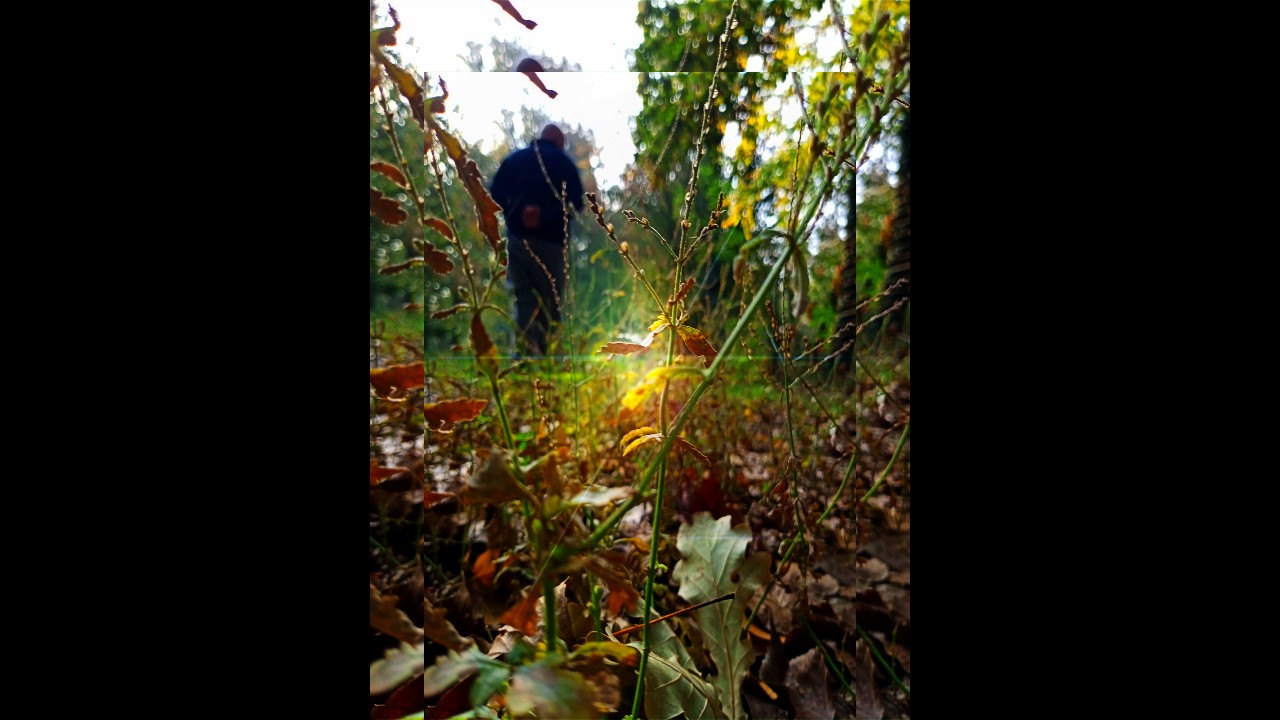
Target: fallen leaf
pixel 377 473
pixel 610 570
pixel 431 499
pixel 386 618
pixel 437 627
pixel 599 497
pixel 867 700
pixel 810 687
pixel 404 701
pixel 483 569
pixel 493 482
pixel 523 616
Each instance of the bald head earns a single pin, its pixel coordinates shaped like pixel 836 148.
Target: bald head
pixel 552 134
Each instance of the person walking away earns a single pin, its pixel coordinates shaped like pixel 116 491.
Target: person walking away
pixel 528 187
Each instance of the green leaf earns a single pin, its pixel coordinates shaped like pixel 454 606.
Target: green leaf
pixel 712 566
pixel 490 677
pixel 397 666
pixel 672 685
pixel 622 654
pixel 451 668
pixel 548 692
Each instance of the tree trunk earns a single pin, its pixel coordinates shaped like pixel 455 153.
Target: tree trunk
pixel 899 254
pixel 898 260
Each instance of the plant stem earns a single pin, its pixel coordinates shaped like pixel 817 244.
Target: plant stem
pixel 883 663
pixel 607 526
pixel 825 656
pixel 884 473
pixel 549 621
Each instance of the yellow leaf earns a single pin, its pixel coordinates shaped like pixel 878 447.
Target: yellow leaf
pixel 653 437
pixel 636 433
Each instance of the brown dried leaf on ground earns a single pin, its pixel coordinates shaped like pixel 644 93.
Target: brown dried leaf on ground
pixel 386 618
pixel 437 627
pixel 810 686
pixel 523 616
pixel 868 701
pixel 377 473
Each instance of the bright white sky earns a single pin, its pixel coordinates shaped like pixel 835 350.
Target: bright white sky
pixel 595 34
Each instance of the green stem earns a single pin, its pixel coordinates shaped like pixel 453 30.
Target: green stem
pixel 549 621
pixel 883 663
pixel 502 413
pixel 848 473
pixel 884 473
pixel 826 656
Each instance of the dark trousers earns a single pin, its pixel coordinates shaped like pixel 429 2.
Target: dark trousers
pixel 539 292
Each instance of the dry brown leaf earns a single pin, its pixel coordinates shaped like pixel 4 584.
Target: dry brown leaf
pixel 867 700
pixel 437 627
pixel 451 311
pixel 377 473
pixel 609 567
pixel 702 458
pixel 622 348
pixel 401 267
pixel 697 344
pixel 386 618
pixel 431 499
pixel 391 171
pixel 684 290
pixel 486 352
pixel 483 569
pixel 810 687
pixel 393 381
pixel 451 411
pixel 387 210
pixel 487 209
pixel 523 616
pixel 436 259
pixel 440 226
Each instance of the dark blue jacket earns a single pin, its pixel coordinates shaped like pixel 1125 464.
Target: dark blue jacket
pixel 519 186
